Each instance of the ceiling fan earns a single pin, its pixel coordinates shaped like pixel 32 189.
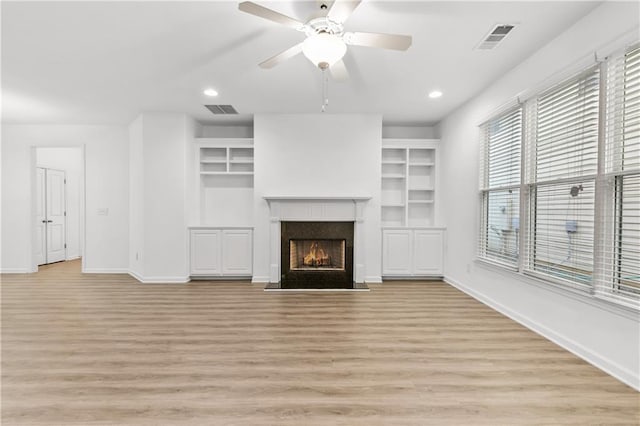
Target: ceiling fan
pixel 326 41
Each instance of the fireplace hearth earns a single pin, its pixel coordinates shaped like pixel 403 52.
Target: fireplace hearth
pixel 317 255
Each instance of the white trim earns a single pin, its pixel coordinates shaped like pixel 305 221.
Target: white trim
pixel 105 271
pixel 217 227
pixel 317 209
pixel 16 271
pixel 136 275
pixel 159 280
pixel 610 367
pixel 260 279
pixel 437 277
pixel 307 290
pixel 315 198
pixel 373 279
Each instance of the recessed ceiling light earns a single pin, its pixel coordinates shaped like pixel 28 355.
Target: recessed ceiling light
pixel 435 94
pixel 210 92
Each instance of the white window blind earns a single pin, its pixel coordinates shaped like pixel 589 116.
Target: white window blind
pixel 623 112
pixel 562 195
pixel 619 257
pixel 577 178
pixel 626 272
pixel 500 188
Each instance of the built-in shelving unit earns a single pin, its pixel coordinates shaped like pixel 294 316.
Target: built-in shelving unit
pixel 225 181
pixel 408 183
pixel 412 243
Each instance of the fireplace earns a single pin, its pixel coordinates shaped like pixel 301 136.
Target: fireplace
pixel 317 255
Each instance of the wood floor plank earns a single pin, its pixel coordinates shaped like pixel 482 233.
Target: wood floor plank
pixel 104 349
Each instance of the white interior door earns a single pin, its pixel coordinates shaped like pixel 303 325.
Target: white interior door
pixel 56 206
pixel 41 217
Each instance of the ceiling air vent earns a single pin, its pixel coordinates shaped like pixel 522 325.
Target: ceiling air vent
pixel 221 109
pixel 495 36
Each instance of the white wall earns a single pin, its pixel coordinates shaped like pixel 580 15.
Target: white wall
pixel 218 131
pixel 408 132
pixel 106 185
pixel 393 131
pixel 136 198
pixel 70 160
pixel 317 155
pixel 606 337
pixel 159 146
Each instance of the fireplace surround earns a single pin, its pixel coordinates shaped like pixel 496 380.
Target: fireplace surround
pixel 316 255
pixel 316 209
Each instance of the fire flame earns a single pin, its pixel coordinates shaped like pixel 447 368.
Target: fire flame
pixel 316 256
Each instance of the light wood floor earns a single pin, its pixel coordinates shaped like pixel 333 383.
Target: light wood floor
pixel 104 349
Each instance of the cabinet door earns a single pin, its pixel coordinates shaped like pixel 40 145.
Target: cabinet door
pixel 237 252
pixel 205 252
pixel 428 248
pixel 396 252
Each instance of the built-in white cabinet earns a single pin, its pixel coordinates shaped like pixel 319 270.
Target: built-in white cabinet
pixel 206 245
pixel 428 249
pixel 412 252
pixel 396 258
pixel 412 243
pixel 220 252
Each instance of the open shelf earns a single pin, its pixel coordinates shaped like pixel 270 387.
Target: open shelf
pixel 408 184
pixel 213 155
pixel 225 177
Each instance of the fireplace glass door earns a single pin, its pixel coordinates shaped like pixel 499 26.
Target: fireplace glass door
pixel 317 255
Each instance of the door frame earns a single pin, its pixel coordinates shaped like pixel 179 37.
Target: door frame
pixel 33 195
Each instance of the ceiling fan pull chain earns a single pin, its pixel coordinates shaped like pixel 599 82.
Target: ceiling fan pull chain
pixel 325 89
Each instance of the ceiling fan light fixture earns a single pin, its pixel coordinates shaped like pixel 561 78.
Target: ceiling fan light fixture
pixel 324 49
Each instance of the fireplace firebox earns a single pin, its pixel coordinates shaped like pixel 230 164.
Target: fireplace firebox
pixel 317 255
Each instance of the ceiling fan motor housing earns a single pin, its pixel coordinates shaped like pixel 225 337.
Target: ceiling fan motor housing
pixel 323 25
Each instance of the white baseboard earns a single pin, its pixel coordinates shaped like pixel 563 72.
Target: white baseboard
pixel 159 280
pixel 15 271
pixel 373 279
pixel 105 271
pixel 612 368
pixel 257 279
pixel 73 257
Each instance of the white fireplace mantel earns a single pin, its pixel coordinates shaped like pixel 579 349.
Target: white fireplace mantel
pixel 317 209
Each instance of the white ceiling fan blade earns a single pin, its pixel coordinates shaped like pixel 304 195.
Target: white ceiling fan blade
pixel 339 71
pixel 342 9
pixel 385 41
pixel 282 56
pixel 272 15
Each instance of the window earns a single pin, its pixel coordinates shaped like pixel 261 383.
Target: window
pixel 577 178
pixel 500 188
pixel 562 193
pixel 620 257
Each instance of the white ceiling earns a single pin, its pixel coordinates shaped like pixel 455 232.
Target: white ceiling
pixel 105 62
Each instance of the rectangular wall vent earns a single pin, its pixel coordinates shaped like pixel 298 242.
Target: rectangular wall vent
pixel 495 36
pixel 221 109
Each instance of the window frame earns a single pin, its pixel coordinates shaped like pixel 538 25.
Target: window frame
pixel 605 193
pixel 486 188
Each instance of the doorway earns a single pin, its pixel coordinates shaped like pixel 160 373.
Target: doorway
pixel 58 204
pixel 51 215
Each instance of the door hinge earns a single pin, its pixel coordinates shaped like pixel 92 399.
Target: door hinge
pixel 65 181
pixel 65 213
pixel 65 245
